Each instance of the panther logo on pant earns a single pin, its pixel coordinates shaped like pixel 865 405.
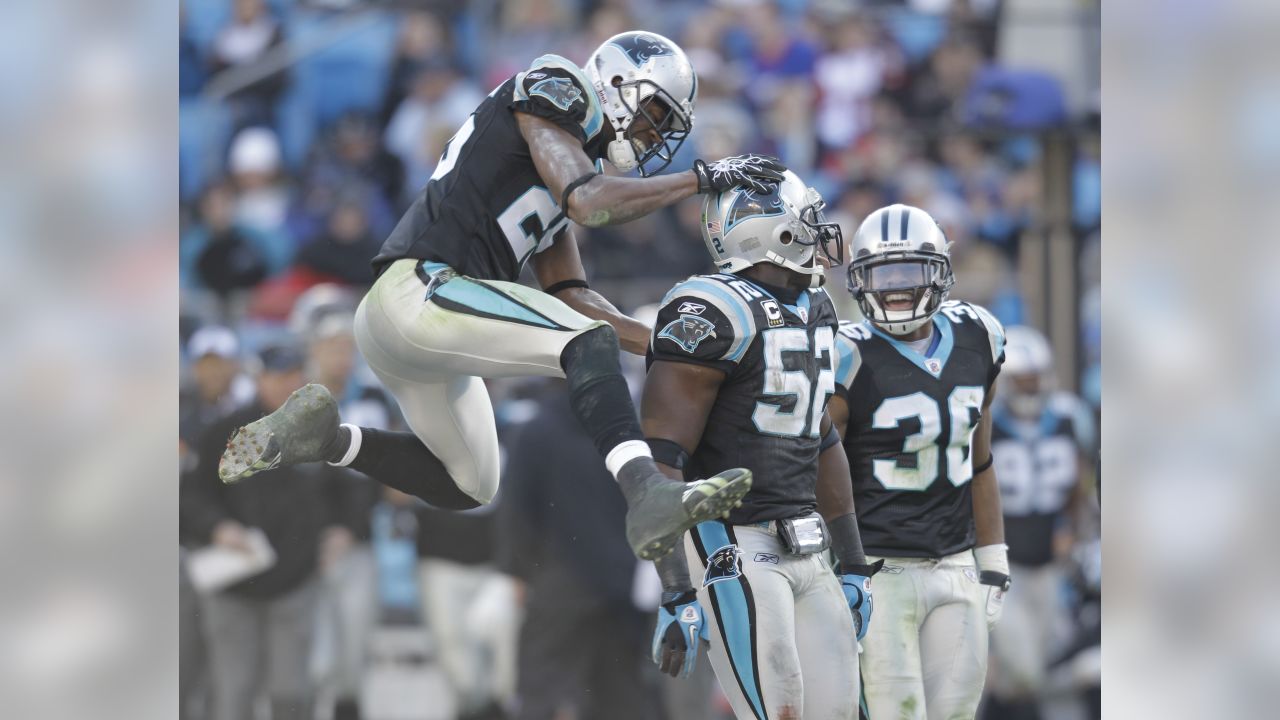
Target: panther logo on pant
pixel 724 564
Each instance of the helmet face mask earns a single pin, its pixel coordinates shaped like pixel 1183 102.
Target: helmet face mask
pixel 900 292
pixel 646 88
pixel 657 112
pixel 785 227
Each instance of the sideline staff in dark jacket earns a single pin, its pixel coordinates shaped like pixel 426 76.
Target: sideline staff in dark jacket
pixel 260 630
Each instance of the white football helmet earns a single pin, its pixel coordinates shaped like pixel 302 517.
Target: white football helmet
pixel 900 268
pixel 785 227
pixel 626 72
pixel 1028 366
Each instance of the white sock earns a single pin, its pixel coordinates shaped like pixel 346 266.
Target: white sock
pixel 353 449
pixel 625 452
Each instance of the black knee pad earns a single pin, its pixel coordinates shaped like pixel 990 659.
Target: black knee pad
pixel 592 356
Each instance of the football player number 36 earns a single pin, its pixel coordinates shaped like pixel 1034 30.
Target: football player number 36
pixel 963 408
pixel 810 398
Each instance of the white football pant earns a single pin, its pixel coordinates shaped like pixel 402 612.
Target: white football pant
pixel 431 351
pixel 783 643
pixel 925 654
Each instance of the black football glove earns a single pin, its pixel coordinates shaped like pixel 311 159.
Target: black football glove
pixel 754 172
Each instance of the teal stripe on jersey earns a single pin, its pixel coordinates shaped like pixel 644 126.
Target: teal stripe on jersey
pixel 849 361
pixel 730 601
pixel 490 301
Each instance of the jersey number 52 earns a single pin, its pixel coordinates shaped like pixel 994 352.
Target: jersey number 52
pixel 810 396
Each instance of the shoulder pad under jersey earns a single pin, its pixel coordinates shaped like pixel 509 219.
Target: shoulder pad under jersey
pixel 959 312
pixel 698 308
pixel 555 89
pixel 848 353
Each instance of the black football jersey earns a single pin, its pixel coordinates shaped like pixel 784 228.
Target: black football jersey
pixel 776 347
pixel 1038 465
pixel 486 210
pixel 911 418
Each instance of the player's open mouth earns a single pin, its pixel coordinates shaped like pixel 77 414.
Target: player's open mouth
pixel 899 300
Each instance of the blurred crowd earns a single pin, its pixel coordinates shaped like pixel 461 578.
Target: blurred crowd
pixel 307 126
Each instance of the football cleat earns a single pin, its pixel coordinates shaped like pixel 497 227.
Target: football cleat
pixel 659 518
pixel 300 431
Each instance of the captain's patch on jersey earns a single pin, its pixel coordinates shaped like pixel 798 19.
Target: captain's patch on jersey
pixel 561 92
pixel 688 331
pixel 724 564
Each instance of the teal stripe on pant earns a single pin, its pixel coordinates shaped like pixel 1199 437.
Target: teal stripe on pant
pixel 732 606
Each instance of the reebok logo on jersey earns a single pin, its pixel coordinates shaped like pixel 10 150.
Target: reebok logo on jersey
pixel 559 91
pixel 691 307
pixel 766 557
pixel 892 569
pixel 535 76
pixel 724 564
pixel 688 331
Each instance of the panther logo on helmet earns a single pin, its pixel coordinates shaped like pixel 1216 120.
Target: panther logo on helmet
pixel 688 331
pixel 639 47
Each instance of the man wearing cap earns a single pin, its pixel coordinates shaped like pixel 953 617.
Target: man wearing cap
pixel 217 386
pixel 260 630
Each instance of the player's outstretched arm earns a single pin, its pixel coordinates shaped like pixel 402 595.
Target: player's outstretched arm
pixel 594 200
pixel 559 271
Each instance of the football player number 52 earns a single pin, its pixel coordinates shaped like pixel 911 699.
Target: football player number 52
pixel 810 400
pixel 919 464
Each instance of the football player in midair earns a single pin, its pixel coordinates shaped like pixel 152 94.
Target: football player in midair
pixel 741 369
pixel 445 310
pixel 914 383
pixel 1043 440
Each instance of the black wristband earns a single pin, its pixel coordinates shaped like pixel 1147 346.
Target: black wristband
pixel 564 196
pixel 984 466
pixel 668 452
pixel 831 438
pixel 672 599
pixel 995 579
pixel 565 285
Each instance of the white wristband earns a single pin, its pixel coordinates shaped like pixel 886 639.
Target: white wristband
pixel 993 557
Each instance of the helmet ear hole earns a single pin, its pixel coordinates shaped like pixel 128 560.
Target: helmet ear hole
pixel 616 81
pixel 785 237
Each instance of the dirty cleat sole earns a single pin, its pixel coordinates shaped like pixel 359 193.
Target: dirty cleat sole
pixel 297 432
pixel 703 500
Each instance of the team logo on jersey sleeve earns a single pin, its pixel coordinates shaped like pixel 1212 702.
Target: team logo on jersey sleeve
pixel 559 91
pixel 688 331
pixel 724 564
pixel 640 47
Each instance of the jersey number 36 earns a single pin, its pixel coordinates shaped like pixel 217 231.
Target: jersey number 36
pixel 963 408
